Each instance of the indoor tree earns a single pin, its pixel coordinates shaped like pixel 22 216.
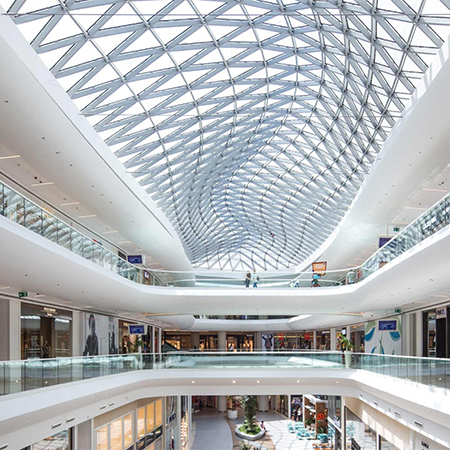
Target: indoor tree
pixel 250 405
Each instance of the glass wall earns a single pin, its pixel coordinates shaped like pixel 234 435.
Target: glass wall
pixel 45 332
pixel 359 435
pixel 323 340
pixel 386 445
pixel 59 441
pixel 119 434
pixel 294 340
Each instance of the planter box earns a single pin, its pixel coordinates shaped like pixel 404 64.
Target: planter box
pixel 249 437
pixel 232 414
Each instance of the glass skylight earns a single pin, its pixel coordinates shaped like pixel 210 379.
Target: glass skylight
pixel 251 124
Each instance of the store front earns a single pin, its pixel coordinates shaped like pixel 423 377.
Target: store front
pixel 357 334
pixel 436 332
pixel 323 340
pixel 171 422
pixel 208 342
pixel 359 435
pixel 294 340
pixel 45 332
pixel 297 408
pixel 240 341
pixel 281 404
pixel 179 341
pixel 185 418
pixel 58 441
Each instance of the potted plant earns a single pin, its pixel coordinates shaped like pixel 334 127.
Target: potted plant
pixel 250 430
pixel 232 413
pixel 347 347
pixel 309 422
pixel 244 446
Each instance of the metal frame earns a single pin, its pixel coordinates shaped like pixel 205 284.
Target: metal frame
pixel 252 124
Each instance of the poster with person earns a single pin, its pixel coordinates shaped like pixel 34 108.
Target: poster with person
pixel 267 342
pixel 100 334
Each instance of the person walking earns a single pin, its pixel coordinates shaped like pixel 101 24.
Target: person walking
pixel 248 277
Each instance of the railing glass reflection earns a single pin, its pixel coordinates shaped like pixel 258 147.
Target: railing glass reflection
pixel 18 376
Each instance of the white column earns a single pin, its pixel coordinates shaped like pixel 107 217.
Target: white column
pixel 333 336
pixel 84 436
pixel 160 331
pixel 4 329
pixel 289 405
pixel 343 424
pixel 222 338
pixel 221 403
pixel 153 340
pixel 419 334
pixel 14 329
pixel 77 333
pixel 263 403
pixel 407 334
pixel 314 343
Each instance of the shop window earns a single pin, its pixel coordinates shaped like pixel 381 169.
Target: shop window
pixel 150 423
pixel 102 438
pixel 158 413
pixel 128 430
pixel 386 445
pixel 60 441
pixel 141 423
pixel 115 435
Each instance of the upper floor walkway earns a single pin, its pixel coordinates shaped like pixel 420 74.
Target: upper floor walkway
pixel 414 391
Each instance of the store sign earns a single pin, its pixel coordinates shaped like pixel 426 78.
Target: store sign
pixel 425 444
pixel 23 294
pixel 319 267
pixel 172 418
pixel 146 274
pixel 441 313
pixel 320 416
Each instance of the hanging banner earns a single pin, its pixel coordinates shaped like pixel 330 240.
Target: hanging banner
pixel 320 268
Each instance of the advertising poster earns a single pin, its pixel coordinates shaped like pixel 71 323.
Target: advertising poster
pixel 383 337
pixel 267 342
pixel 100 334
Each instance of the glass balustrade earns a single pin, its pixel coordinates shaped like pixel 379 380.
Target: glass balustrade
pixel 26 375
pixel 17 208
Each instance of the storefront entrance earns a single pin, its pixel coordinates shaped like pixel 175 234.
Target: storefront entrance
pixel 436 332
pixel 45 332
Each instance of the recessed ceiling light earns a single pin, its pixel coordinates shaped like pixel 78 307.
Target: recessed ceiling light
pixel 4 287
pixel 234 381
pixel 10 157
pixel 47 183
pixel 87 216
pixel 193 382
pixel 124 242
pixel 257 381
pixel 69 204
pixel 434 190
pixel 110 231
pixel 88 306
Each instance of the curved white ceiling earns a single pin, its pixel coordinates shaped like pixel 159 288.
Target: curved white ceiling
pixel 252 123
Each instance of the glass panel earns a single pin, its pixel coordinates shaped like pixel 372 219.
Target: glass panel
pixel 13 206
pixel 141 423
pixel 63 235
pixel 128 430
pixel 33 217
pixel 102 438
pixel 115 435
pixel 158 413
pixel 150 423
pixel 49 227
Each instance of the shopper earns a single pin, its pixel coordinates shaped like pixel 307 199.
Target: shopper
pixel 46 350
pixel 255 279
pixel 263 427
pixel 248 277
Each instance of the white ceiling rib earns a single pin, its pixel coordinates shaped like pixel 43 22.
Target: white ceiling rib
pixel 251 123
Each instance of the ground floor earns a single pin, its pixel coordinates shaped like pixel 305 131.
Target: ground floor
pixel 213 431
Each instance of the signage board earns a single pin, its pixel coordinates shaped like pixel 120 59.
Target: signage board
pixel 387 325
pixel 441 313
pixel 136 329
pixel 134 259
pixel 23 294
pixel 383 241
pixel 319 267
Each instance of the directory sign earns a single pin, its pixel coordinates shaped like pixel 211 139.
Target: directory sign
pixel 135 259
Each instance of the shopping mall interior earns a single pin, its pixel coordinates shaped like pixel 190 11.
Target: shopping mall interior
pixel 223 224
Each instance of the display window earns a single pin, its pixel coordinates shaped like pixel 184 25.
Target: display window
pixel 45 332
pixel 323 340
pixel 386 445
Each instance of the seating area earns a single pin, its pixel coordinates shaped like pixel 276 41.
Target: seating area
pixel 302 432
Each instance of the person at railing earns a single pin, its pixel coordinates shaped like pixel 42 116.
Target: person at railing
pixel 248 278
pixel 315 280
pixel 255 279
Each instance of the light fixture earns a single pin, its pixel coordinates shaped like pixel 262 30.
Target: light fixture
pixel 47 183
pixel 193 382
pixel 4 287
pixel 110 231
pixel 434 190
pixel 257 381
pixel 124 242
pixel 69 204
pixel 414 208
pixel 10 157
pixel 87 216
pixel 234 381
